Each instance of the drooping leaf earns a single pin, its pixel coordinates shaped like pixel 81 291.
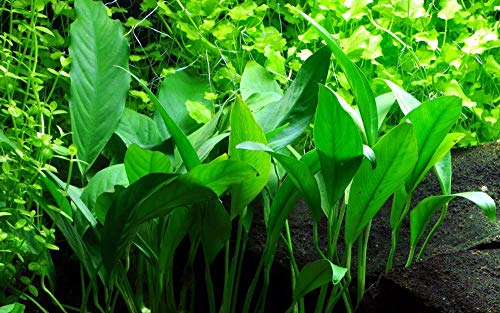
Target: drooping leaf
pixel 396 156
pixel 98 89
pixel 178 88
pixel 298 172
pixel 140 162
pixel 432 121
pixel 156 195
pixel 315 275
pixel 245 128
pixel 338 143
pixel 104 181
pixel 139 129
pixel 296 108
pixel 359 83
pixel 422 214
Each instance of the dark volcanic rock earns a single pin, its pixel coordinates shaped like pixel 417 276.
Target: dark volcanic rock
pixel 463 282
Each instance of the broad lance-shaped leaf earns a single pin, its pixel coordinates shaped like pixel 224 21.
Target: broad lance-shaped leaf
pixel 104 181
pixel 297 107
pixel 140 162
pixel 357 80
pixel 432 120
pixel 315 275
pixel 139 129
pixel 156 195
pixel 396 156
pixel 422 214
pixel 245 128
pixel 98 88
pixel 338 142
pixel 298 172
pixel 443 176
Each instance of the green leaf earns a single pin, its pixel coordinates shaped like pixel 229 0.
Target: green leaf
pixel 104 181
pixel 316 274
pixel 258 88
pixel 175 91
pixel 406 101
pixel 443 170
pixel 449 9
pixel 338 143
pixel 384 104
pixel 297 107
pixel 298 172
pixel 359 83
pixel 245 128
pixel 422 214
pixel 157 195
pixel 215 228
pixel 139 129
pixel 9 143
pixel 198 111
pixel 75 196
pixel 432 121
pixel 98 89
pixel 396 156
pixel 186 150
pixel 140 162
pixel 12 308
pixel 283 203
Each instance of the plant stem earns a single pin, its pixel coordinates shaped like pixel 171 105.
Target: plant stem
pixel 362 255
pixel 431 233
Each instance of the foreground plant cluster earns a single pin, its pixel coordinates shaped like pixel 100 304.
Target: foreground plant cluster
pixel 141 136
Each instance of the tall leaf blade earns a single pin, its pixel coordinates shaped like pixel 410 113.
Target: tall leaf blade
pixel 396 156
pixel 432 120
pixel 357 80
pixel 338 142
pixel 245 128
pixel 298 172
pixel 297 107
pixel 98 89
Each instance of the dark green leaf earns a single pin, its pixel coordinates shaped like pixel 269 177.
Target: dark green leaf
pixel 315 275
pixel 357 80
pixel 139 129
pixel 298 106
pixel 245 128
pixel 432 121
pixel 98 89
pixel 104 181
pixel 338 143
pixel 140 162
pixel 396 156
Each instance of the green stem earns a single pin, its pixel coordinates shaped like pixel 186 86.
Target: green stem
pixel 51 296
pixel 362 255
pixel 210 287
pixel 431 233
